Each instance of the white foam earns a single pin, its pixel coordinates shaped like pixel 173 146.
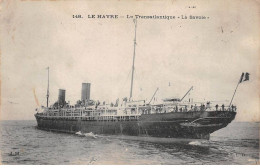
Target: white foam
pixel 90 134
pixel 195 143
pixel 78 133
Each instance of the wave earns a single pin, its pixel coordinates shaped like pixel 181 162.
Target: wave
pixel 196 143
pixel 90 134
pixel 79 133
pixel 202 143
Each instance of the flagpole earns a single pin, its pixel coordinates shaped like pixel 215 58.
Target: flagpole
pixel 239 81
pixel 234 93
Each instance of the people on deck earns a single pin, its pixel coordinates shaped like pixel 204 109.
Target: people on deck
pixel 195 107
pixel 223 107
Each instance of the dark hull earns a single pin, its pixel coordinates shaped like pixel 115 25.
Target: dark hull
pixel 195 125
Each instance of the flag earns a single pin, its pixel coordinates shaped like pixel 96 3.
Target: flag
pixel 244 77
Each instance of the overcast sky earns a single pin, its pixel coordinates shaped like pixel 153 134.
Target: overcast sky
pixel 208 54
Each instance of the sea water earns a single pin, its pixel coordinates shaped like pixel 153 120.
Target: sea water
pixel 22 143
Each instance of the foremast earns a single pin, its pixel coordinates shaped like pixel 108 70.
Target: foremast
pixel 133 66
pixel 48 93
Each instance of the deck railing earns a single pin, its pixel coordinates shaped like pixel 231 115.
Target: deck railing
pixel 111 113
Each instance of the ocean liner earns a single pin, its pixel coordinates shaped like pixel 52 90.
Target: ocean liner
pixel 173 118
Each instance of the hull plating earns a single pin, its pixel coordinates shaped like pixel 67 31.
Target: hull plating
pixel 196 125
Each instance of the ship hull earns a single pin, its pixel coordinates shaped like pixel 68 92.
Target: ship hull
pixel 194 125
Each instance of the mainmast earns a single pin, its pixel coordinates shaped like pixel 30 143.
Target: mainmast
pixel 48 88
pixel 133 66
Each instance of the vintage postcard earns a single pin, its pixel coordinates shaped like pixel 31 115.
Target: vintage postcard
pixel 126 82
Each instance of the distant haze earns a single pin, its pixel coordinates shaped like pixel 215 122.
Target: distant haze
pixel 172 55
